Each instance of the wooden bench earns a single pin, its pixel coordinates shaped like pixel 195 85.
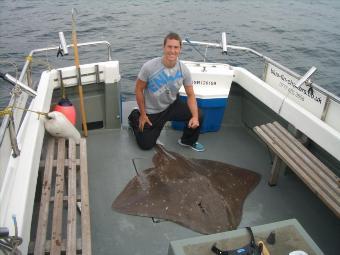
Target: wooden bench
pixel 288 150
pixel 64 190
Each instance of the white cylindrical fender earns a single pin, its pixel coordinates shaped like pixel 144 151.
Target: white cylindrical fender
pixel 59 126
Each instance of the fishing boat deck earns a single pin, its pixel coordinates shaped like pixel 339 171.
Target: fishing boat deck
pixel 114 158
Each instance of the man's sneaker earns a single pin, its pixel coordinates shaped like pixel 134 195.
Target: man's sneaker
pixel 159 142
pixel 196 146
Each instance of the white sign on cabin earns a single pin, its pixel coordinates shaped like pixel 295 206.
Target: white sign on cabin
pixel 310 99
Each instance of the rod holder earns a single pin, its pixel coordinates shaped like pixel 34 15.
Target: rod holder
pixel 63 45
pixel 15 82
pixel 224 43
pixel 306 77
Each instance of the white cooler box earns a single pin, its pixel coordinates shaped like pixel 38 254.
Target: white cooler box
pixel 212 82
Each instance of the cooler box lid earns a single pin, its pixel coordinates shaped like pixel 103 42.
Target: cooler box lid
pixel 210 80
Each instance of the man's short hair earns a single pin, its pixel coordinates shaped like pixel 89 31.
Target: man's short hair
pixel 172 36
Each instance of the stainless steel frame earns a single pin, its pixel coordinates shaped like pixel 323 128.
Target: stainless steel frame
pixel 25 71
pixel 266 59
pixel 223 45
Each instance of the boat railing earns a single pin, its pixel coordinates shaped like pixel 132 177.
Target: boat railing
pixel 302 78
pixel 19 99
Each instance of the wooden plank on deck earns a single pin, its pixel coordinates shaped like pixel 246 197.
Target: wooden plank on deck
pixel 39 247
pixel 85 207
pixel 72 200
pixel 58 202
pixel 71 164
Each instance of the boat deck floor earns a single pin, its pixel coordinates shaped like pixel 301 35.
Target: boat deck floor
pixel 110 165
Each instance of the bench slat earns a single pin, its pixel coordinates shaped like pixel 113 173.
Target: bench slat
pixel 65 198
pixel 48 246
pixel 72 199
pixel 39 247
pixel 42 162
pixel 85 208
pixel 58 202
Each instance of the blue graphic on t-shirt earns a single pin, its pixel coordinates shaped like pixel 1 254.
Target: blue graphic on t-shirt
pixel 161 79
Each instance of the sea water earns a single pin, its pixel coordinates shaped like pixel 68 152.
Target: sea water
pixel 298 34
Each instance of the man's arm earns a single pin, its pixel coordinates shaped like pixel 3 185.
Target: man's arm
pixel 192 104
pixel 143 118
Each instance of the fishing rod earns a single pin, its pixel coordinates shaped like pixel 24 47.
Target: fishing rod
pixel 76 61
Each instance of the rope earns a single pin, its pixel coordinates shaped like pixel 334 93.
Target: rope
pixel 6 111
pixel 29 58
pixel 9 111
pixel 39 61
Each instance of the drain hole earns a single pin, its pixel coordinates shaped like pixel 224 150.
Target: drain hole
pixel 156 220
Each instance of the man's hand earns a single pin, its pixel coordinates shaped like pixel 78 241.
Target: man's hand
pixel 142 120
pixel 192 104
pixel 193 123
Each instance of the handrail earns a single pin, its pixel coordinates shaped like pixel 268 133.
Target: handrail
pixel 6 119
pixel 273 62
pixel 57 47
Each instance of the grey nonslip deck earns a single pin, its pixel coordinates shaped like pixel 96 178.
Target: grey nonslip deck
pixel 114 158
